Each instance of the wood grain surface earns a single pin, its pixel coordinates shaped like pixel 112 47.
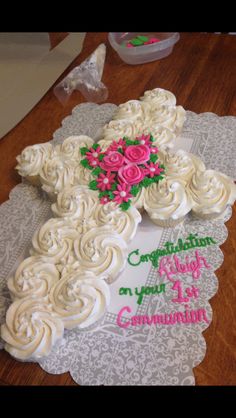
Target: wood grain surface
pixel 201 72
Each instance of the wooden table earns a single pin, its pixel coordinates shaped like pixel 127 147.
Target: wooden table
pixel 201 72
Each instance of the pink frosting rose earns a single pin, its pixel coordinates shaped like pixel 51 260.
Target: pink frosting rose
pixel 138 154
pixel 131 174
pixel 113 161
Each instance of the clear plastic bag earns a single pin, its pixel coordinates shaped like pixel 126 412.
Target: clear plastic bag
pixel 86 78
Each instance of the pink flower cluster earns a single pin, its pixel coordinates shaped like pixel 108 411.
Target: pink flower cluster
pixel 123 165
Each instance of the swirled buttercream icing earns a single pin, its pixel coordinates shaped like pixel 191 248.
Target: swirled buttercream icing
pixel 77 202
pixel 138 200
pixel 163 137
pixel 171 117
pixel 32 159
pixel 211 192
pixel 82 205
pixel 182 165
pixel 133 109
pixel 81 175
pixel 123 222
pixel 159 97
pixel 156 113
pixel 56 174
pixel 31 328
pixel 167 200
pixel 80 299
pixel 33 277
pixel 119 128
pixel 54 240
pixel 70 148
pixel 102 251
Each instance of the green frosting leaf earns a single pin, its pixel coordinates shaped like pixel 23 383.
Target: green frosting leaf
pixel 113 187
pixel 130 142
pixel 95 146
pixel 83 150
pixel 156 179
pixel 111 195
pixel 97 171
pixel 135 190
pixel 93 185
pixel 146 182
pixel 153 158
pixel 85 163
pixel 101 194
pixel 101 156
pixel 125 205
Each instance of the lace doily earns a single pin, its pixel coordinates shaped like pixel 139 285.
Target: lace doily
pixel 107 354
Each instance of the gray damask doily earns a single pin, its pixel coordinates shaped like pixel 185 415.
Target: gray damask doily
pixel 109 355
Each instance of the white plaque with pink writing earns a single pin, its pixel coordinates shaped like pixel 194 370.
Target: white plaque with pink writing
pixel 152 332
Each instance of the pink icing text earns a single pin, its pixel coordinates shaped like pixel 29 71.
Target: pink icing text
pixel 170 267
pixel 179 317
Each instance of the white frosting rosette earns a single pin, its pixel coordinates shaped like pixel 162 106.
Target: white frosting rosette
pixel 56 174
pixel 119 128
pixel 31 161
pixel 123 222
pixel 101 251
pixel 159 97
pixel 163 137
pixel 31 328
pixel 70 148
pixel 80 299
pixel 171 117
pixel 54 240
pixel 182 165
pixel 211 192
pixel 34 277
pixel 82 205
pixel 138 200
pixel 133 109
pixel 81 175
pixel 75 202
pixel 167 202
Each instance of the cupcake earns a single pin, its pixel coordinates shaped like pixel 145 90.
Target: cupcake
pixel 70 148
pixel 31 161
pixel 101 251
pixel 76 203
pixel 159 97
pixel 123 222
pixel 54 240
pixel 138 200
pixel 133 109
pixel 163 137
pixel 80 299
pixel 31 328
pixel 181 165
pixel 211 192
pixel 167 202
pixel 119 128
pixel 56 174
pixel 33 277
pixel 171 117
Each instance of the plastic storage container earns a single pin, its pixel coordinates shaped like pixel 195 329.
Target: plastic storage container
pixel 143 53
